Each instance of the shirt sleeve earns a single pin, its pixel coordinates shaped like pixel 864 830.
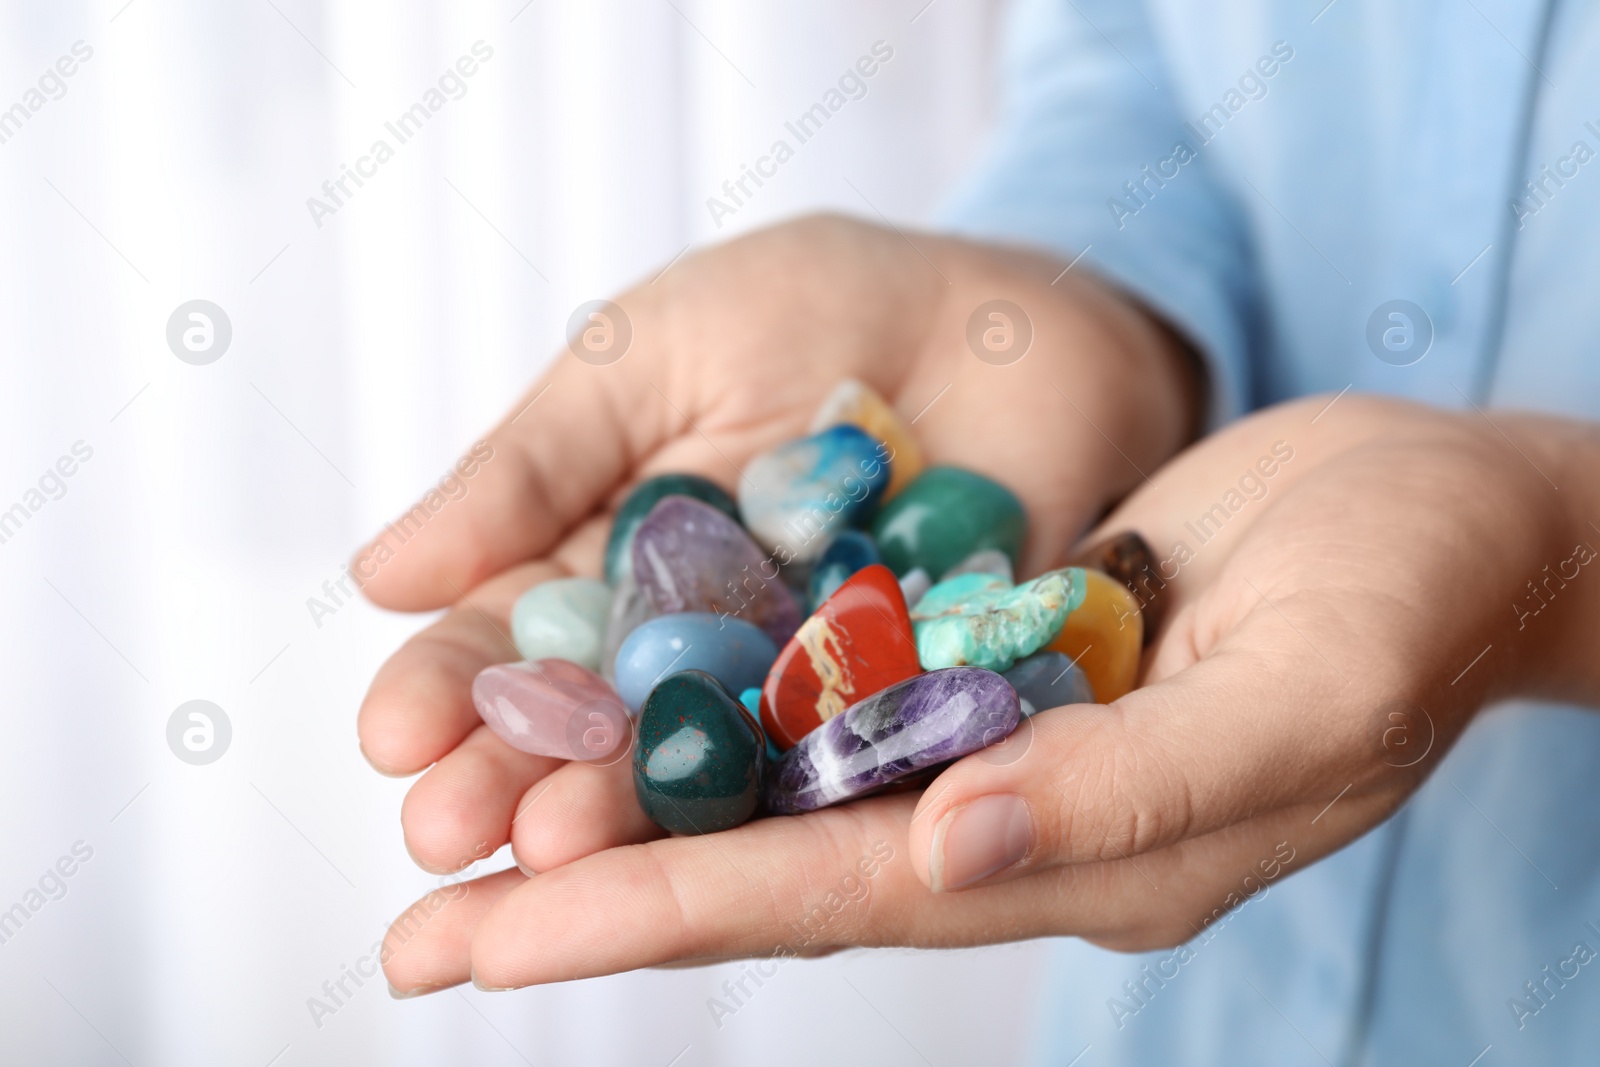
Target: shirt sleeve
pixel 1091 158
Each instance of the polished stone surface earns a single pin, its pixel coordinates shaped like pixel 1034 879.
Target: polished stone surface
pixel 551 707
pixel 974 619
pixel 688 556
pixel 1048 680
pixel 698 765
pixel 732 651
pixel 860 405
pixel 946 515
pixel 921 722
pixel 796 497
pixel 914 584
pixel 629 608
pixel 638 504
pixel 984 561
pixel 1105 635
pixel 1127 558
pixel 564 618
pixel 858 642
pixel 849 552
pixel 751 699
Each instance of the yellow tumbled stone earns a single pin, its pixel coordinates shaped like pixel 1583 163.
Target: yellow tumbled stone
pixel 860 405
pixel 1104 635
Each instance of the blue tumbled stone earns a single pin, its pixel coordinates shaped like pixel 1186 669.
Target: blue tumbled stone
pixel 797 497
pixel 851 551
pixel 734 652
pixel 1049 680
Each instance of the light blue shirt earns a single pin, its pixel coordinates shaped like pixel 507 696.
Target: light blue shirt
pixel 1272 178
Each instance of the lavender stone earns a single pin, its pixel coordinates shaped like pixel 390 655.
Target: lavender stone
pixel 918 723
pixel 688 556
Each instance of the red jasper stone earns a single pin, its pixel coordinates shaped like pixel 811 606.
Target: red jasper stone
pixel 858 642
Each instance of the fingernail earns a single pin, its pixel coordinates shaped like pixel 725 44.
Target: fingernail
pixel 977 839
pixel 490 988
pixel 524 868
pixel 420 990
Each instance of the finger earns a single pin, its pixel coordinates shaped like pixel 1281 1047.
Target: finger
pixel 781 886
pixel 461 810
pixel 1181 758
pixel 427 947
pixel 419 705
pixel 563 447
pixel 579 810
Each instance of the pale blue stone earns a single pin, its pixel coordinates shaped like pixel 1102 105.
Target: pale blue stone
pixel 564 618
pixel 1049 679
pixel 795 498
pixel 734 652
pixel 984 561
pixel 973 620
pixel 914 584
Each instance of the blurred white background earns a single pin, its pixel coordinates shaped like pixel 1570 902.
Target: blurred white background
pixel 176 562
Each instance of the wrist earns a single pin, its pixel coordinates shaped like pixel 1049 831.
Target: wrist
pixel 1555 616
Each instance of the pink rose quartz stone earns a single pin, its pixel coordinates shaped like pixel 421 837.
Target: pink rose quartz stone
pixel 551 707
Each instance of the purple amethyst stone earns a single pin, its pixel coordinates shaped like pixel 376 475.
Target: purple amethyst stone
pixel 912 725
pixel 688 556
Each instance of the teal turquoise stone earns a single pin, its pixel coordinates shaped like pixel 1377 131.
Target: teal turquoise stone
pixel 975 620
pixel 751 699
pixel 645 495
pixel 564 618
pixel 851 551
pixel 952 594
pixel 734 652
pixel 697 766
pixel 1049 679
pixel 795 498
pixel 944 516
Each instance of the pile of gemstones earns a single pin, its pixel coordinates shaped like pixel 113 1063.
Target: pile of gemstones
pixel 850 623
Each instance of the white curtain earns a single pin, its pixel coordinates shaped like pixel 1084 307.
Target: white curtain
pixel 372 339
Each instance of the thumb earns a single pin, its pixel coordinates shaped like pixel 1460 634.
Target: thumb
pixel 1206 748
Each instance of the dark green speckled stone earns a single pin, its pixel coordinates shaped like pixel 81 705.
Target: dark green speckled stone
pixel 648 493
pixel 697 765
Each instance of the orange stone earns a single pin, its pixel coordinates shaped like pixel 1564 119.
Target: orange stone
pixel 860 405
pixel 1104 635
pixel 857 643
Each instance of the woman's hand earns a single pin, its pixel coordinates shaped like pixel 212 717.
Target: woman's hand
pixel 1346 590
pixel 732 351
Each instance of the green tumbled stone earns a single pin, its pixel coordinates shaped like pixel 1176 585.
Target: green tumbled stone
pixel 564 618
pixel 645 495
pixel 945 515
pixel 965 622
pixel 698 763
